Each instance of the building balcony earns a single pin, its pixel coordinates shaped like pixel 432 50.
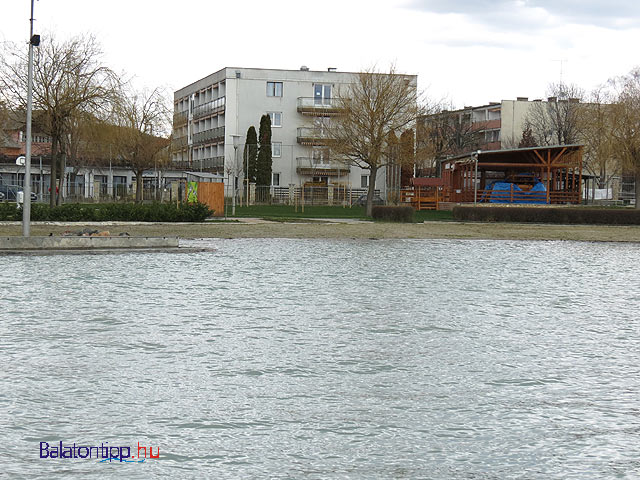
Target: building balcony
pixel 313 136
pixel 321 168
pixel 180 119
pixel 201 165
pixel 487 124
pixel 491 145
pixel 213 107
pixel 209 136
pixel 178 143
pixel 323 107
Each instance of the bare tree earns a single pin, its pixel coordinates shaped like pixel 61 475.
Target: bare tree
pixel 596 129
pixel 556 121
pixel 375 105
pixel 140 140
pixel 625 119
pixel 445 133
pixel 69 79
pixel 4 115
pixel 401 161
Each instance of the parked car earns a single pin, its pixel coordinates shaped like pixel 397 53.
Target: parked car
pixel 10 193
pixel 361 201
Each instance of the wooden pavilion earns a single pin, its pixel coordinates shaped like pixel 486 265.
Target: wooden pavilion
pixel 535 175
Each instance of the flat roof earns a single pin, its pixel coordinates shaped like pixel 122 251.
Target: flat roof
pixel 180 92
pixel 510 151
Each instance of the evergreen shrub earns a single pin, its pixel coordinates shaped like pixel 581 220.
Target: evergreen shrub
pixel 103 212
pixel 391 213
pixel 586 216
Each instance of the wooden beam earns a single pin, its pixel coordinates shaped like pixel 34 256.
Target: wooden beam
pixel 539 156
pixel 559 155
pixel 524 165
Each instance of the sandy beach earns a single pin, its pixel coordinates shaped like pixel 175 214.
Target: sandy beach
pixel 336 229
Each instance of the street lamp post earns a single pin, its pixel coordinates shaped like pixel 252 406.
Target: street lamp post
pixel 236 143
pixel 246 170
pixel 34 41
pixel 475 178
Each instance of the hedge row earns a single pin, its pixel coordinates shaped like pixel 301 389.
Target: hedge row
pixel 99 212
pixel 587 216
pixel 392 213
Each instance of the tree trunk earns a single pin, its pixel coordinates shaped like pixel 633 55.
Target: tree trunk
pixel 637 188
pixel 139 186
pixel 372 188
pixel 63 167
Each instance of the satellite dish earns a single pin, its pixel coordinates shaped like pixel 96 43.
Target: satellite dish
pixel 20 160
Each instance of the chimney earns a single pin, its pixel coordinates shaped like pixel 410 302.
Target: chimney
pixel 331 69
pixel 522 99
pixel 304 68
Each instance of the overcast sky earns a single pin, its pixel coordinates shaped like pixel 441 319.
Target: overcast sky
pixel 469 51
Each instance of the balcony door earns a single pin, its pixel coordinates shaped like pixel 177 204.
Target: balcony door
pixel 322 94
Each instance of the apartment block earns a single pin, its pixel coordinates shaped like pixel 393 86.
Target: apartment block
pixel 499 125
pixel 301 103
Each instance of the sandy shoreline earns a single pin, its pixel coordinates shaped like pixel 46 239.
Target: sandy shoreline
pixel 348 229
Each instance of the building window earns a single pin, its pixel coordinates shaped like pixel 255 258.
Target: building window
pixel 492 136
pixel 275 181
pixel 276 149
pixel 276 118
pixel 364 181
pixel 322 94
pixel 274 89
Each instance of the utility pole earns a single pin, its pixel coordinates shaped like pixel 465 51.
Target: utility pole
pixel 34 41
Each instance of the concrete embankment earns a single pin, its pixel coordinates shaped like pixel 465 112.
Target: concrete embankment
pixel 70 244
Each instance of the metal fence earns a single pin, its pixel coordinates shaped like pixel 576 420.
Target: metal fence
pixel 101 192
pixel 310 195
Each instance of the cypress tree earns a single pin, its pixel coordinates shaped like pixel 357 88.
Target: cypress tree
pixel 250 156
pixel 264 163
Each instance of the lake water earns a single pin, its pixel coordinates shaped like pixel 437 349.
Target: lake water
pixel 279 358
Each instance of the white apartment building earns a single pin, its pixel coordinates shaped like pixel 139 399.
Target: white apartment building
pixel 210 111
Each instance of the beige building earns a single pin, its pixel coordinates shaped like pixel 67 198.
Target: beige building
pixel 499 124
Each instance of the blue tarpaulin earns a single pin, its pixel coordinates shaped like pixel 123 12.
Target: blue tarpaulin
pixel 506 192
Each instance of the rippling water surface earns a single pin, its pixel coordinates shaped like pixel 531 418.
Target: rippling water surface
pixel 327 359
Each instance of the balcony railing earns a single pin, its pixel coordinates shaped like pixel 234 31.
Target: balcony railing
pixel 319 106
pixel 207 136
pixel 180 118
pixel 178 142
pixel 320 167
pixel 214 106
pixel 203 164
pixel 313 136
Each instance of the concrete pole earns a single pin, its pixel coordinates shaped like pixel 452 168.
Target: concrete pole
pixel 234 180
pixel 26 188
